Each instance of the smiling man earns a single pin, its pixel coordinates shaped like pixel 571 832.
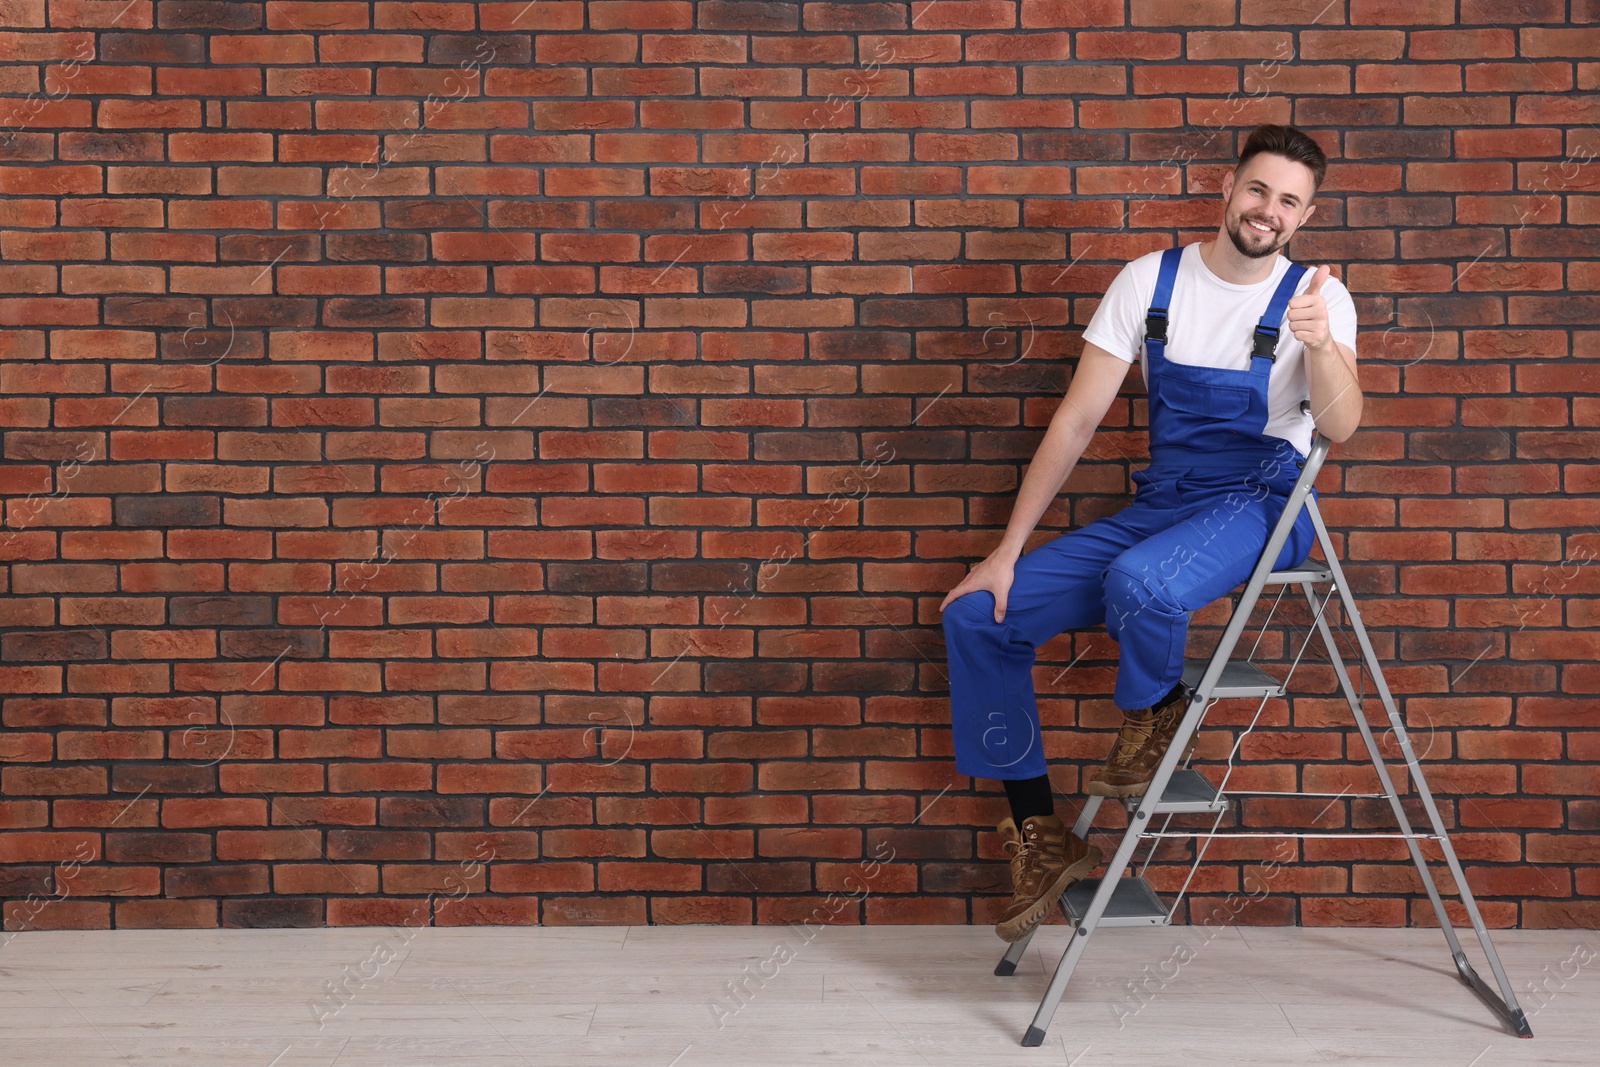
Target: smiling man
pixel 1245 354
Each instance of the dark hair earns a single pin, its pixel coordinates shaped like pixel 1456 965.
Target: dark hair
pixel 1290 143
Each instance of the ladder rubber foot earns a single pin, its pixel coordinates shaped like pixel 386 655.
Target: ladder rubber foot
pixel 1033 1038
pixel 1005 968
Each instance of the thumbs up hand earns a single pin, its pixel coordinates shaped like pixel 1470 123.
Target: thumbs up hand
pixel 1308 313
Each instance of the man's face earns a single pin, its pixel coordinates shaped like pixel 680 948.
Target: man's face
pixel 1271 191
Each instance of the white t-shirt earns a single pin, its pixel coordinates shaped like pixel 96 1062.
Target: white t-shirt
pixel 1212 323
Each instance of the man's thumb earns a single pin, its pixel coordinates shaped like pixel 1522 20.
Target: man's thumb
pixel 1317 279
pixel 1000 607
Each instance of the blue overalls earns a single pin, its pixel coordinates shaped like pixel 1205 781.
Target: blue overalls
pixel 1199 520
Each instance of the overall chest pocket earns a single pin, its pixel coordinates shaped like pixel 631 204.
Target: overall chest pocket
pixel 1205 398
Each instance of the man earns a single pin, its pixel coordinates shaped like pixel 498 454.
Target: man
pixel 1228 437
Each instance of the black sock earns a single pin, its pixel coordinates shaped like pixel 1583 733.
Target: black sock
pixel 1145 713
pixel 1029 797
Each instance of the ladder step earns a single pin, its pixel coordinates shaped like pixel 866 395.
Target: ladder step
pixel 1240 678
pixel 1187 792
pixel 1133 903
pixel 1314 573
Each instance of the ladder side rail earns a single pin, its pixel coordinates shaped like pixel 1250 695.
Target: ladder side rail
pixel 1080 936
pixel 1507 1004
pixel 1137 823
pixel 1091 805
pixel 1186 728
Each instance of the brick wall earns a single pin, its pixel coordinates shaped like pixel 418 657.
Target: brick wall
pixel 500 463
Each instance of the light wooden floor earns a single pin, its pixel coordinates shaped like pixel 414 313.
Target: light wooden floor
pixel 879 996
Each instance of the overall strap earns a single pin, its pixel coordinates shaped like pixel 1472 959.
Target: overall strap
pixel 1266 335
pixel 1155 321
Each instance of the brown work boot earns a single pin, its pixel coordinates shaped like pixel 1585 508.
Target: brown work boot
pixel 1141 743
pixel 1045 861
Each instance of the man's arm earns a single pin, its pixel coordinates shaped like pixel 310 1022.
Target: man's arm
pixel 1098 377
pixel 1336 399
pixel 1095 385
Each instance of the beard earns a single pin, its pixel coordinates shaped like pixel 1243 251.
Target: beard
pixel 1251 243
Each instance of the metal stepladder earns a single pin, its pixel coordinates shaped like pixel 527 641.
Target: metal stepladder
pixel 1113 900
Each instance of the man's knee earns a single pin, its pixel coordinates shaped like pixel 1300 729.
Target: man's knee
pixel 1132 585
pixel 969 611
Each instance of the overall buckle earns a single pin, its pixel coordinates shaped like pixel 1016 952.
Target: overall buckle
pixel 1155 326
pixel 1266 343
